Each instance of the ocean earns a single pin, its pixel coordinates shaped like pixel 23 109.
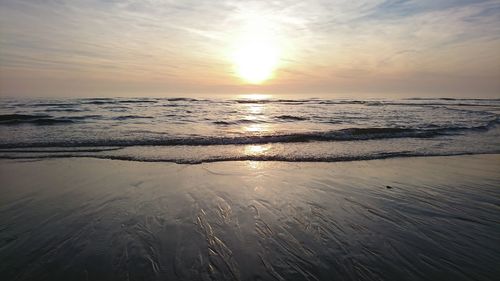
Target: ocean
pixel 196 130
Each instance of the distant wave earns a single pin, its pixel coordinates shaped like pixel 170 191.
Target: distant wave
pixel 349 134
pixel 180 101
pixel 98 101
pixel 126 117
pixel 403 102
pixel 238 122
pixel 44 119
pixel 291 117
pixel 19 119
pixel 183 99
pixel 14 119
pixel 59 149
pixel 137 101
pixel 63 110
pixel 51 104
pixel 298 101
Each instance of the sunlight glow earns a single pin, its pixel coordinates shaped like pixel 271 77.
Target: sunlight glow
pixel 256 62
pixel 255 96
pixel 256 52
pixel 256 128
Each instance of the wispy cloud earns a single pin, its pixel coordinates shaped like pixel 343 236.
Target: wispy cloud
pixel 185 44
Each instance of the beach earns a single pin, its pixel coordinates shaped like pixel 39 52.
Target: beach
pixel 416 218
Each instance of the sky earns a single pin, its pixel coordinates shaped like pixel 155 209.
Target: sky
pixel 161 47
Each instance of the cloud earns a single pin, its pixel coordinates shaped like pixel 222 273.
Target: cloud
pixel 168 42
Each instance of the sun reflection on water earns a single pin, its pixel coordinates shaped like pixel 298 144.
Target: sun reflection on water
pixel 256 149
pixel 256 128
pixel 256 113
pixel 255 108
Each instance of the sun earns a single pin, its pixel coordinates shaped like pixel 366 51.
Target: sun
pixel 256 61
pixel 255 50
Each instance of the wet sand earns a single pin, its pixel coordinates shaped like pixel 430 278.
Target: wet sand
pixel 432 218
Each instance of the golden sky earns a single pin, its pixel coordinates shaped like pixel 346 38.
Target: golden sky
pixel 153 47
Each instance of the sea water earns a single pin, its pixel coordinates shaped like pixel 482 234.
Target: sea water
pixel 195 130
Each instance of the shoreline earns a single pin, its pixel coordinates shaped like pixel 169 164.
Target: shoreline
pixel 243 159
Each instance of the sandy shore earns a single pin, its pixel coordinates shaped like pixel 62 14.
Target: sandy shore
pixel 434 218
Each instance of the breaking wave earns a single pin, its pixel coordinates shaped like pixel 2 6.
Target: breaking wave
pixel 349 134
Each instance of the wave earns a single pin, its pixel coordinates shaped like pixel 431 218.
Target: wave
pixel 59 150
pixel 15 119
pixel 63 110
pixel 238 122
pixel 137 101
pixel 349 134
pixel 263 101
pixel 418 102
pixel 224 123
pixel 51 104
pixel 42 119
pixel 126 117
pixel 291 118
pixel 222 158
pixel 183 99
pixel 99 101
